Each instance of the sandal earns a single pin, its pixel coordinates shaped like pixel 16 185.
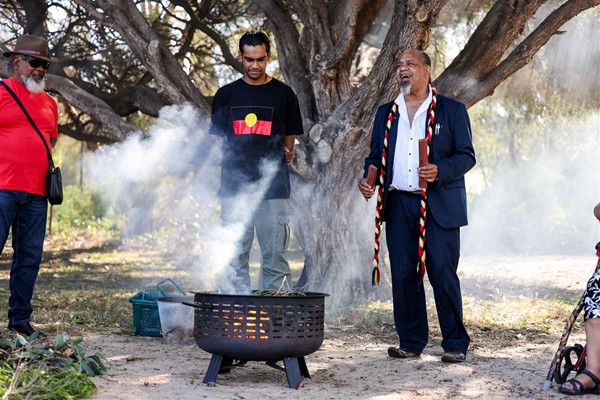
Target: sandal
pixel 577 387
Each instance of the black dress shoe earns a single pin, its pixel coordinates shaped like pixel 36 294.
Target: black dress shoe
pixel 25 328
pixel 453 356
pixel 402 353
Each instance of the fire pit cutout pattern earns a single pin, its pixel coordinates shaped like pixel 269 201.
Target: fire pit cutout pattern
pixel 259 328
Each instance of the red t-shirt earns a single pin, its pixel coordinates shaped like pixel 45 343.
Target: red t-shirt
pixel 23 157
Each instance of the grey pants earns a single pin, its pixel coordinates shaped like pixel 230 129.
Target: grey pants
pixel 270 220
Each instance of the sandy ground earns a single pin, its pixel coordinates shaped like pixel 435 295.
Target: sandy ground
pixel 354 365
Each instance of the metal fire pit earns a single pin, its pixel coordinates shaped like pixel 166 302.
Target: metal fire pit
pixel 259 328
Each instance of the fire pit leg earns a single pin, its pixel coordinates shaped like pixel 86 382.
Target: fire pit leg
pixel 214 368
pixel 292 372
pixel 303 367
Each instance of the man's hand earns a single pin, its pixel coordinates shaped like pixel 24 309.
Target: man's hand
pixel 367 190
pixel 428 172
pixel 289 155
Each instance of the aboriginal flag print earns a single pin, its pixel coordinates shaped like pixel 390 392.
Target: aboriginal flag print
pixel 252 120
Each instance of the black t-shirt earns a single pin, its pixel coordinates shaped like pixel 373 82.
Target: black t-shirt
pixel 253 120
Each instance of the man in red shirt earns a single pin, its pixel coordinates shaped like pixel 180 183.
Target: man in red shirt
pixel 23 168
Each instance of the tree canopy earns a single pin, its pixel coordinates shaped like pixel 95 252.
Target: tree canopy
pixel 124 58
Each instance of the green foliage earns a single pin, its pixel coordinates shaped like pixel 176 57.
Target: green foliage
pixel 57 369
pixel 84 208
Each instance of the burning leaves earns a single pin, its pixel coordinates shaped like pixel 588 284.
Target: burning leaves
pixel 279 292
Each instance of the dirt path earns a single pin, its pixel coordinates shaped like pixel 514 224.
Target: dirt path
pixel 354 365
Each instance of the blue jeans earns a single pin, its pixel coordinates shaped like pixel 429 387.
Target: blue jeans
pixel 26 214
pixel 270 220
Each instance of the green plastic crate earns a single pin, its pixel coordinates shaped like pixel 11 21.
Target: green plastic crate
pixel 146 319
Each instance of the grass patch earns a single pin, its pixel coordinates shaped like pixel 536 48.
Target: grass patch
pixel 493 323
pixel 88 276
pixel 86 289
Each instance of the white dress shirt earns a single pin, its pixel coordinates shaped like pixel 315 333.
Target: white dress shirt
pixel 406 152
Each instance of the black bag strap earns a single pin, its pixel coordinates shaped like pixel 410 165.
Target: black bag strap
pixel 9 90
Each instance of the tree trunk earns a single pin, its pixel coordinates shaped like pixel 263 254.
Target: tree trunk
pixel 330 226
pixel 338 245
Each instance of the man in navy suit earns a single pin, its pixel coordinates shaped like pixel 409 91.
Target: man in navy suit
pixel 451 156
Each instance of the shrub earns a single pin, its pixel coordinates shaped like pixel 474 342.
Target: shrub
pixel 83 209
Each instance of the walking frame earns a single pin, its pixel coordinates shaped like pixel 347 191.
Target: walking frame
pixel 563 364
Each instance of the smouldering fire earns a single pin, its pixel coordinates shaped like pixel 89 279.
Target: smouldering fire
pixel 253 325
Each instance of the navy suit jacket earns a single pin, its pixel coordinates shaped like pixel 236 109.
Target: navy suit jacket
pixel 451 150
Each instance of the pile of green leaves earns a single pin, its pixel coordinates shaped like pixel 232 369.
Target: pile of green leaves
pixel 45 370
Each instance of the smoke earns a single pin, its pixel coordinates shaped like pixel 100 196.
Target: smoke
pixel 541 205
pixel 542 202
pixel 166 187
pixel 573 57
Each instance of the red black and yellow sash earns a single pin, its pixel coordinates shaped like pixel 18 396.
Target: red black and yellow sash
pixel 379 208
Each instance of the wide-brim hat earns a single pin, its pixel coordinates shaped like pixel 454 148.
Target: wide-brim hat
pixel 33 47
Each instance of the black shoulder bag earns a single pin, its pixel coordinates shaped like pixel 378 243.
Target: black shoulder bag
pixel 54 190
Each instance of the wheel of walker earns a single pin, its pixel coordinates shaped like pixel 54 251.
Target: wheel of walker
pixel 569 363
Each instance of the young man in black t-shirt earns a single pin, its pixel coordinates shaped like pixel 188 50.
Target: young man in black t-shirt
pixel 258 118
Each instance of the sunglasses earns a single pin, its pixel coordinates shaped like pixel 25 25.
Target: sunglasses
pixel 35 63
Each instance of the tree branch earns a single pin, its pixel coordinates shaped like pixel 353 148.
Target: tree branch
pixel 524 52
pixel 91 105
pixel 36 14
pixel 69 130
pixel 316 40
pixel 172 81
pixel 501 26
pixel 350 24
pixel 196 22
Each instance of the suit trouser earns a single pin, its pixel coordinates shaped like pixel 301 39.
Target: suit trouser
pixel 442 248
pixel 271 222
